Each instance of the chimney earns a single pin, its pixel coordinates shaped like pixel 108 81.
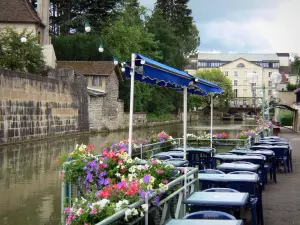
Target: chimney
pixel 43 12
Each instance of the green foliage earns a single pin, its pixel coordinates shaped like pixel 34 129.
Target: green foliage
pixel 217 76
pixel 79 47
pixel 127 34
pixel 21 56
pixel 291 87
pixel 164 117
pixel 285 118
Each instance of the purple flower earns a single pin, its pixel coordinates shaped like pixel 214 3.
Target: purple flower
pixel 146 178
pixel 89 177
pixel 156 200
pixel 142 193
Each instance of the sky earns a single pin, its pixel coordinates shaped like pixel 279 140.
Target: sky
pixel 260 26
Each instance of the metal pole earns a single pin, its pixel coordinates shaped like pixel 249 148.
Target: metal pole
pixel 211 119
pixel 132 72
pixel 263 110
pixel 184 121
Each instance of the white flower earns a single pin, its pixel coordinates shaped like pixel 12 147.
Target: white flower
pixel 134 212
pixel 151 179
pixel 145 207
pixel 142 214
pixel 127 213
pixel 166 187
pixel 83 200
pixel 118 175
pixel 129 160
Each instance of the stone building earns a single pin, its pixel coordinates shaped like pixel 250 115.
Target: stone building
pixel 106 112
pixel 20 15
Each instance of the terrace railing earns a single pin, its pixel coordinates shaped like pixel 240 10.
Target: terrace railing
pixel 170 206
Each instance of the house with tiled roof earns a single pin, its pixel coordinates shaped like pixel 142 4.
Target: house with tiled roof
pixel 105 109
pixel 20 14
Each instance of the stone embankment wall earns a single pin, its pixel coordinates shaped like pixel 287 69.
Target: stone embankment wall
pixel 33 106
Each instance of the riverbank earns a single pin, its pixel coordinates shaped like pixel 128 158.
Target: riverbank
pixel 92 132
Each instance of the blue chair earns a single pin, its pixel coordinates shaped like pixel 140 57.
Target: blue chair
pixel 254 190
pixel 210 215
pixel 186 163
pixel 207 185
pixel 196 159
pixel 161 157
pixel 220 190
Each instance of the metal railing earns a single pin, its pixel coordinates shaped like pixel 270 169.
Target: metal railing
pixel 165 208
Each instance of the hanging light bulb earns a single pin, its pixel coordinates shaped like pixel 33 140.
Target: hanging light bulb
pixel 101 49
pixel 116 61
pixel 87 28
pixel 23 39
pixel 123 69
pixel 143 62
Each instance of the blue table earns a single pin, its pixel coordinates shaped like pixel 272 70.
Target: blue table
pixel 236 157
pixel 266 153
pixel 174 154
pixel 228 177
pixel 204 222
pixel 230 167
pixel 231 199
pixel 203 149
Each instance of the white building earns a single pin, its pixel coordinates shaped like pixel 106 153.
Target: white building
pixel 237 65
pixel 20 14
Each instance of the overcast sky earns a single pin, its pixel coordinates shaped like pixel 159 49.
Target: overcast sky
pixel 246 25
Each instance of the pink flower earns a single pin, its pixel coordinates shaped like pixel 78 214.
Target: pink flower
pixel 153 162
pixel 159 171
pixel 165 181
pixel 94 211
pixel 62 175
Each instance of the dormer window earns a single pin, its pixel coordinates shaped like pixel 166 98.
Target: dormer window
pixel 241 65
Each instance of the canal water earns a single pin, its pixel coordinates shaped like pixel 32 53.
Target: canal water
pixel 29 183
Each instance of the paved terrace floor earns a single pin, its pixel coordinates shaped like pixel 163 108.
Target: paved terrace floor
pixel 281 201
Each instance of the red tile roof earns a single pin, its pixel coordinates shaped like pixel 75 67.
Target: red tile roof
pixel 18 11
pixel 89 67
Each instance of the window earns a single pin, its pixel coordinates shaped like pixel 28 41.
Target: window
pixel 244 102
pixel 236 73
pixel 235 102
pixel 270 83
pixel 226 73
pixel 235 93
pixel 269 92
pixel 96 81
pixel 270 73
pixel 235 83
pixel 275 65
pixel 241 65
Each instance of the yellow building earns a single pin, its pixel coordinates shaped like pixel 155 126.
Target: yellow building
pixel 236 66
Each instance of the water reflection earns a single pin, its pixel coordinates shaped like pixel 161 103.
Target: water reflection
pixel 29 183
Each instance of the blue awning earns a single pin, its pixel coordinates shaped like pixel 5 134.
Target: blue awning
pixel 209 87
pixel 153 72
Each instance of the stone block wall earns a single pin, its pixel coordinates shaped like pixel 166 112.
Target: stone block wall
pixel 33 106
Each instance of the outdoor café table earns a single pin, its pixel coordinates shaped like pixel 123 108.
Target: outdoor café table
pixel 230 167
pixel 267 153
pixel 227 158
pixel 218 199
pixel 232 199
pixel 207 151
pixel 178 163
pixel 203 222
pixel 223 178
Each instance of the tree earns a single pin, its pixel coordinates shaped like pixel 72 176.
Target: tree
pixel 179 16
pixel 21 56
pixel 217 76
pixel 71 14
pixel 168 42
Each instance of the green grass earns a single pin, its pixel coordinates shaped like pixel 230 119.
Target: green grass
pixel 164 117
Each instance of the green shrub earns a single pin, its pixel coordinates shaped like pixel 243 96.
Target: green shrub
pixel 285 118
